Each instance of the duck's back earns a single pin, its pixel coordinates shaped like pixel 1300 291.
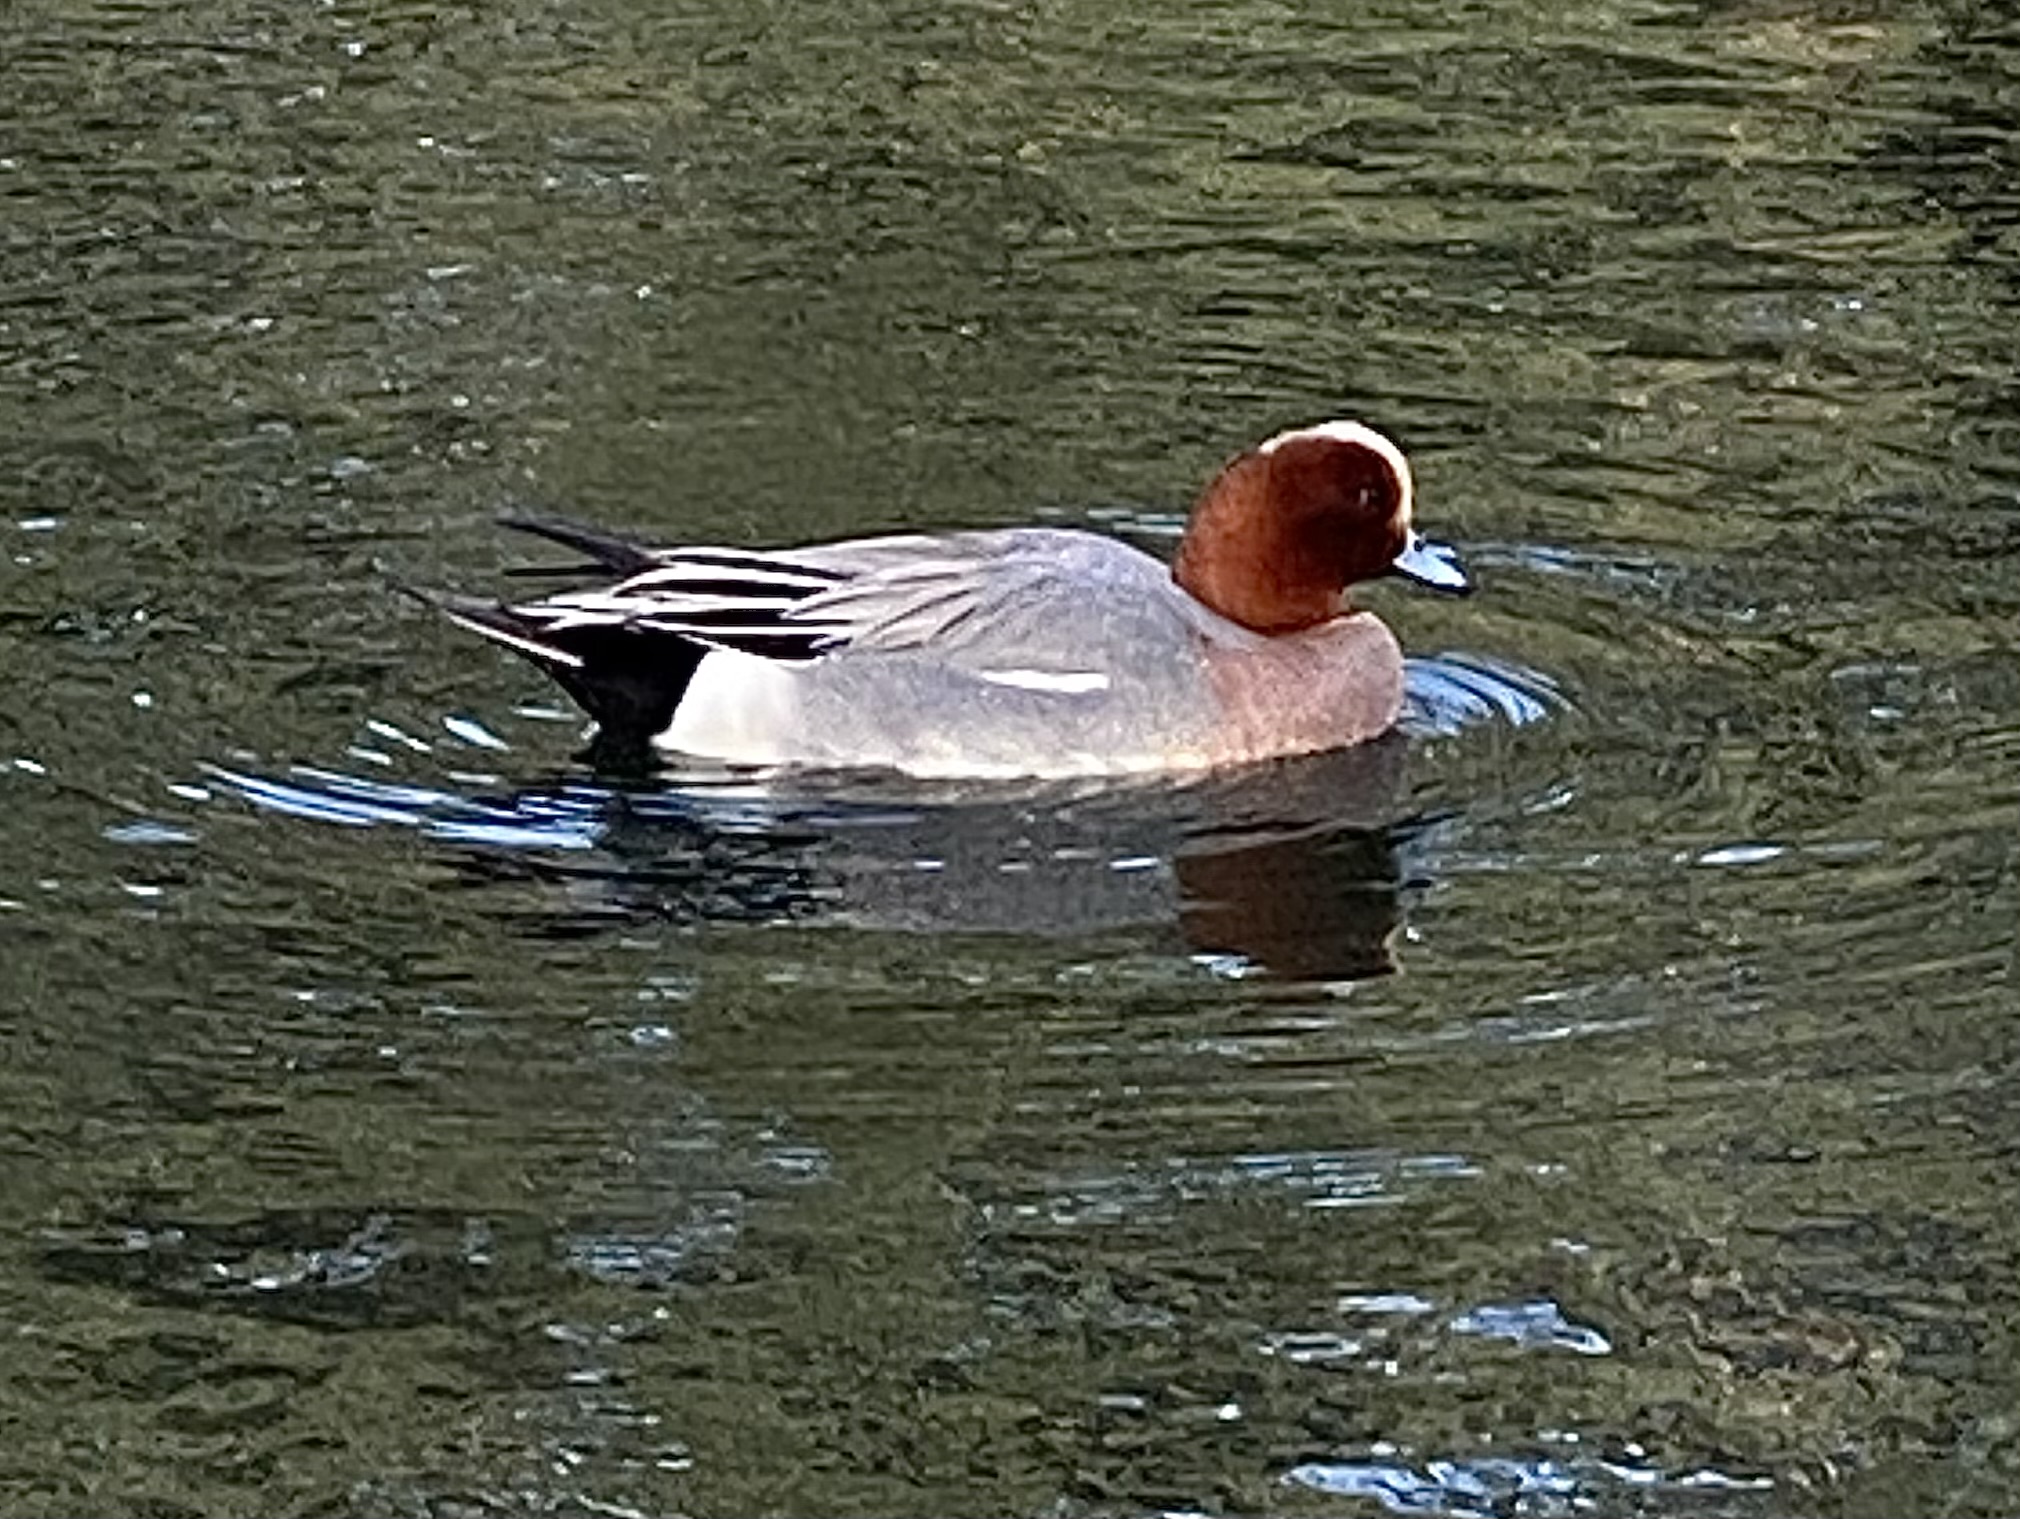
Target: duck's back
pixel 1035 652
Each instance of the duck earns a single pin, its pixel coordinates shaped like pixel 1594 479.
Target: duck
pixel 1028 652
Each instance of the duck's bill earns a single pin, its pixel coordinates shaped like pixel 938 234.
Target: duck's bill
pixel 1433 564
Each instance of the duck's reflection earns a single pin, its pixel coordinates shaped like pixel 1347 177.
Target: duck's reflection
pixel 1320 905
pixel 1289 868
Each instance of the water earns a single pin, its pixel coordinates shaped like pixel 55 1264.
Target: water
pixel 1601 1103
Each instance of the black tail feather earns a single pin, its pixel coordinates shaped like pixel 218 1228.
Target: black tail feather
pixel 612 554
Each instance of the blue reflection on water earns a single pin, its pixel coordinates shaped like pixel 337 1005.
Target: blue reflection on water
pixel 560 818
pixel 1539 1323
pixel 1445 694
pixel 1499 1485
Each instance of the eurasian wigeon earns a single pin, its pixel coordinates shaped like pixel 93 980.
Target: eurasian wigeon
pixel 1019 652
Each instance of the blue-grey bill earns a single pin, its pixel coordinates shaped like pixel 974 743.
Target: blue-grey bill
pixel 1433 564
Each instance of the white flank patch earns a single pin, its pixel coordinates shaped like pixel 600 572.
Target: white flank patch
pixel 1063 682
pixel 737 708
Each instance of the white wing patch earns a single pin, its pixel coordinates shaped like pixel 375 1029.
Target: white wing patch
pixel 1059 682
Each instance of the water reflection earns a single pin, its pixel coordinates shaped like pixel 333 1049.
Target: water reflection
pixel 1293 868
pixel 326 1268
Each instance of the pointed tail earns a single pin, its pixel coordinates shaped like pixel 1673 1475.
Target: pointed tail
pixel 605 552
pixel 629 679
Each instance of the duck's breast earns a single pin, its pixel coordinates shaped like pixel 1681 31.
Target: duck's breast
pixel 1326 688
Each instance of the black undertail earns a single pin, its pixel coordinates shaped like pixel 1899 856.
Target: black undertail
pixel 628 679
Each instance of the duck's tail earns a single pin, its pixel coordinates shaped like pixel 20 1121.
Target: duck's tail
pixel 614 555
pixel 628 679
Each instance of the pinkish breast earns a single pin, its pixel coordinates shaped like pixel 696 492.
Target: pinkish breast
pixel 1326 688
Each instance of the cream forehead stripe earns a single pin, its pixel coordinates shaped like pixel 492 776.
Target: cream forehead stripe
pixel 1368 438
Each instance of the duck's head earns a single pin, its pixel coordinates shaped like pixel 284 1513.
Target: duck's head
pixel 1282 531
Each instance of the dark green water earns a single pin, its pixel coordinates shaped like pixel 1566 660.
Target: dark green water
pixel 395 1121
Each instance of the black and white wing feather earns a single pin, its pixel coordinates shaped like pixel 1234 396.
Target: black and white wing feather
pixel 967 597
pixel 720 598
